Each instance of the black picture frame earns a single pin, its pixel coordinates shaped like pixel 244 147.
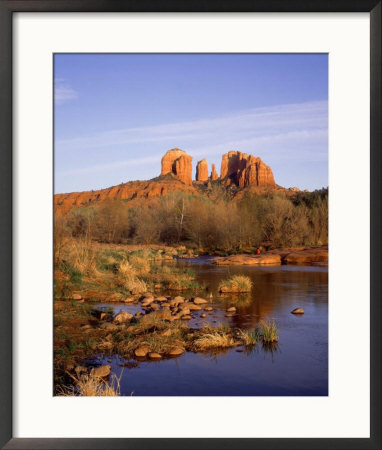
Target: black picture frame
pixel 7 8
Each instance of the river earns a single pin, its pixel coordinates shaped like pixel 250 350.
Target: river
pixel 296 366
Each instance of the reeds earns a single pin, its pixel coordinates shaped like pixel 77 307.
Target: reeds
pixel 269 331
pixel 249 337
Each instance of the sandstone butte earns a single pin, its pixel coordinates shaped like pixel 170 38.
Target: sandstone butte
pixel 214 174
pixel 202 170
pixel 177 162
pixel 238 170
pixel 245 170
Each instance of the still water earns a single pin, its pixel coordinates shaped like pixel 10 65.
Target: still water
pixel 296 366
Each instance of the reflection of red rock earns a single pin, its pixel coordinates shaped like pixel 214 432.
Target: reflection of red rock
pixel 177 162
pixel 202 170
pixel 214 174
pixel 246 170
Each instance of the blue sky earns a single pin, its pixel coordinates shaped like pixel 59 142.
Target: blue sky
pixel 117 114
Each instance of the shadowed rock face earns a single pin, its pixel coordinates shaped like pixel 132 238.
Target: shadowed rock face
pixel 246 170
pixel 177 162
pixel 214 174
pixel 202 170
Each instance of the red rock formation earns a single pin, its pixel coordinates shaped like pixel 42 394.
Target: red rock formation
pixel 177 162
pixel 214 174
pixel 246 170
pixel 237 168
pixel 134 190
pixel 202 170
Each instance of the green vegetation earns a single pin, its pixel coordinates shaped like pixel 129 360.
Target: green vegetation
pixel 249 337
pixel 99 271
pixel 269 332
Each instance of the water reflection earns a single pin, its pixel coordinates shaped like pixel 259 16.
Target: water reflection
pixel 296 365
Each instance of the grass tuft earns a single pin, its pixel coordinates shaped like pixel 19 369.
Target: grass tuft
pixel 213 338
pixel 129 280
pixel 249 337
pixel 236 283
pixel 269 331
pixel 91 386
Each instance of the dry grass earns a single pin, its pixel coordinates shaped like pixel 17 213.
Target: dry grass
pixel 110 260
pixel 125 269
pixel 214 339
pixel 140 263
pixel 149 331
pixel 162 344
pixel 82 257
pixel 236 283
pixel 90 386
pixel 153 321
pixel 129 280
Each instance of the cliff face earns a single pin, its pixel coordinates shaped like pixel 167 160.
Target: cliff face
pixel 202 170
pixel 246 170
pixel 177 162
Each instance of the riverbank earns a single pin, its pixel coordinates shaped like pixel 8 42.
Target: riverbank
pixel 146 305
pixel 271 369
pixel 293 255
pixel 158 330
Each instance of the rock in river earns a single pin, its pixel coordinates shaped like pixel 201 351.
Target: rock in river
pixel 176 351
pixel 122 317
pixel 101 372
pixel 199 301
pixel 298 311
pixel 154 355
pixel 142 351
pixel 193 307
pixel 109 326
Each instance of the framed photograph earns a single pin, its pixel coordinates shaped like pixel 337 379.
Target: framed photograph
pixel 191 224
